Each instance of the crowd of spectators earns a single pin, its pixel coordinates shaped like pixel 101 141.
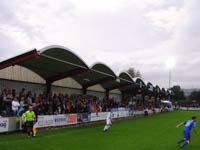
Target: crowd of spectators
pixel 11 102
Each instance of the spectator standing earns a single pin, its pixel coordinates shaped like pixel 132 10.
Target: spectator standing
pixel 41 108
pixel 46 107
pixel 50 108
pixel 13 93
pixel 68 107
pixel 22 93
pixel 15 106
pixel 22 102
pixel 8 102
pixel 39 98
pixel 63 107
pixel 29 98
pixel 58 108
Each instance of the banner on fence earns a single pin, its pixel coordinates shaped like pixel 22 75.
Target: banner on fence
pixel 140 112
pixel 12 124
pixel 72 119
pixel 45 121
pixel 3 124
pixel 121 109
pixel 131 113
pixel 98 116
pixel 56 120
pixel 158 110
pixel 60 120
pixel 189 108
pixel 150 111
pixel 85 117
pixel 114 109
pixel 121 114
pixel 124 114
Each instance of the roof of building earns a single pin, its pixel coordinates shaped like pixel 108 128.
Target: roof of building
pixel 55 62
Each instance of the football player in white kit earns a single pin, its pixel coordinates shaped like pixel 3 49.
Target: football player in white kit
pixel 108 120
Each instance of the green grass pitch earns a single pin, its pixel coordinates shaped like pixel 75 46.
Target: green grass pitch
pixel 155 132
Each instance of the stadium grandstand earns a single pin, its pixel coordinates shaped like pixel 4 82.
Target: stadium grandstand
pixel 60 82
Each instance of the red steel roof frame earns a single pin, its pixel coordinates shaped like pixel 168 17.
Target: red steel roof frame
pixel 20 58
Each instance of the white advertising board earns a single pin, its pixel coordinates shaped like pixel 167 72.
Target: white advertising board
pixel 4 124
pixel 60 120
pixel 45 121
pixel 56 120
pixel 103 115
pixel 121 114
pixel 98 116
pixel 139 112
pixel 158 110
pixel 189 108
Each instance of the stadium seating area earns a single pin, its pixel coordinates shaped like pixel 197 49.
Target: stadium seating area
pixel 11 102
pixel 56 63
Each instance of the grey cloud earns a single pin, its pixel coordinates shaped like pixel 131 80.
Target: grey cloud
pixel 9 18
pixel 123 31
pixel 168 3
pixel 8 47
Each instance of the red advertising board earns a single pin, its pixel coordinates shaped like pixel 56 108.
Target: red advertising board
pixel 72 119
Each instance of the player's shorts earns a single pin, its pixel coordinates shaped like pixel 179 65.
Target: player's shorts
pixel 187 135
pixel 108 121
pixel 29 124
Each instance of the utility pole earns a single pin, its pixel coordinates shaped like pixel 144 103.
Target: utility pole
pixel 169 78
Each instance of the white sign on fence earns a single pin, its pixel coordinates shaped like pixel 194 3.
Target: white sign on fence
pixel 98 116
pixel 60 120
pixel 66 119
pixel 189 108
pixel 45 121
pixel 56 120
pixel 3 124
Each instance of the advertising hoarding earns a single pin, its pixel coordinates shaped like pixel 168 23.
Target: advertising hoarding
pixel 4 124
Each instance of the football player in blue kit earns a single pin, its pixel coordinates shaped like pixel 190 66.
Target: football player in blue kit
pixel 190 124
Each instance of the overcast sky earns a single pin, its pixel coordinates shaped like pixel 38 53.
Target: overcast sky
pixel 143 34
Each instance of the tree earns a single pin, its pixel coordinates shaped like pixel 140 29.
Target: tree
pixel 134 73
pixel 195 95
pixel 178 93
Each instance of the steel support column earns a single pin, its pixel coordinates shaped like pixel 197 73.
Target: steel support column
pixel 48 84
pixel 84 90
pixel 123 97
pixel 107 94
